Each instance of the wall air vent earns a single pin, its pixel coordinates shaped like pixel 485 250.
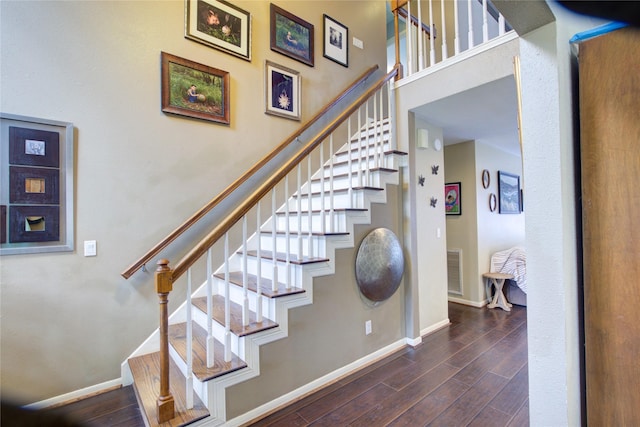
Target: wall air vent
pixel 454 271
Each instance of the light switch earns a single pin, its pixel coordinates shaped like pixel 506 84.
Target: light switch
pixel 90 248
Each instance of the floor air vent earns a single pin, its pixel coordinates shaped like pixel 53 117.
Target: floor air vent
pixel 454 271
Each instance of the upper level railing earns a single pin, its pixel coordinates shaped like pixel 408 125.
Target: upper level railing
pixel 441 29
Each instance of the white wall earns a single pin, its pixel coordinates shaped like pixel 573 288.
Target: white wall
pixel 69 321
pixel 430 230
pixel 552 303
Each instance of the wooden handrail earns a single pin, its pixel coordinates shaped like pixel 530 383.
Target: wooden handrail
pixel 238 182
pixel 192 256
pixel 403 12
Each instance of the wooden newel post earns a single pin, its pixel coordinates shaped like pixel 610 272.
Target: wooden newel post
pixel 164 285
pixel 395 5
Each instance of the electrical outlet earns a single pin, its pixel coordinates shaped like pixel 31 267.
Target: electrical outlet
pixel 90 248
pixel 367 327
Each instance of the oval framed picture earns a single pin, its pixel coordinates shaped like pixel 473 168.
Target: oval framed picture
pixel 486 178
pixel 492 202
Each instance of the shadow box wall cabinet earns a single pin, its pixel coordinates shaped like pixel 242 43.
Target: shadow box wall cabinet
pixel 36 196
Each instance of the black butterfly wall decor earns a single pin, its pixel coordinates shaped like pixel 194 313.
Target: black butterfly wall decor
pixel 421 180
pixel 434 169
pixel 434 201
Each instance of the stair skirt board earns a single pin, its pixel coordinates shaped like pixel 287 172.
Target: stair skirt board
pixel 210 384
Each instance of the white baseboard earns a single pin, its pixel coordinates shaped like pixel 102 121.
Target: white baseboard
pixel 434 327
pixel 75 395
pixel 316 385
pixel 468 302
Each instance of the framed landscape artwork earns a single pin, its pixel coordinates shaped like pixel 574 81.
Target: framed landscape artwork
pixel 282 96
pixel 452 199
pixel 508 193
pixel 291 36
pixel 220 25
pixel 336 41
pixel 194 90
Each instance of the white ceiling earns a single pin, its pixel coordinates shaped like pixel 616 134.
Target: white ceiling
pixel 486 113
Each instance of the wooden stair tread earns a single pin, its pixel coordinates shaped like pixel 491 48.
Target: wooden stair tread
pixel 236 326
pixel 235 277
pixel 355 172
pixel 338 190
pixel 282 257
pixel 306 233
pixel 146 379
pixel 282 213
pixel 178 339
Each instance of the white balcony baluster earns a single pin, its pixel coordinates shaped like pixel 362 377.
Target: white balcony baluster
pixel 443 32
pixel 485 23
pixel 470 23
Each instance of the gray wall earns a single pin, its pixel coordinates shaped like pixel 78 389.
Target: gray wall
pixel 69 321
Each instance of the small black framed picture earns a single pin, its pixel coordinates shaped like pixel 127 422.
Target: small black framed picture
pixel 336 41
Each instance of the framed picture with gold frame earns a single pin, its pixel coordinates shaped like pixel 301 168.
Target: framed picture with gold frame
pixel 194 90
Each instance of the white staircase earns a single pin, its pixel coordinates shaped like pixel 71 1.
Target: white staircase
pixel 304 233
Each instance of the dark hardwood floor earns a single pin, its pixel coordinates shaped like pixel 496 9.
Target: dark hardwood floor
pixel 473 372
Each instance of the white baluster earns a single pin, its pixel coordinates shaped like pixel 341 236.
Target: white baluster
pixel 227 302
pixel 470 22
pixel 359 149
pixel 375 131
pixel 331 206
pixel 323 225
pixel 485 23
pixel 350 161
pixel 310 211
pixel 381 136
pixel 210 341
pixel 274 247
pixel 420 34
pixel 258 267
pixel 409 32
pixel 432 41
pixel 456 26
pixel 287 234
pixel 245 280
pixel 367 178
pixel 189 383
pixel 501 24
pixel 445 53
pixel 299 211
pixel 390 112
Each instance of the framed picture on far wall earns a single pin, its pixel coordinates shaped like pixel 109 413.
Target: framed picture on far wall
pixel 194 90
pixel 220 25
pixel 508 193
pixel 291 36
pixel 282 87
pixel 452 198
pixel 336 41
